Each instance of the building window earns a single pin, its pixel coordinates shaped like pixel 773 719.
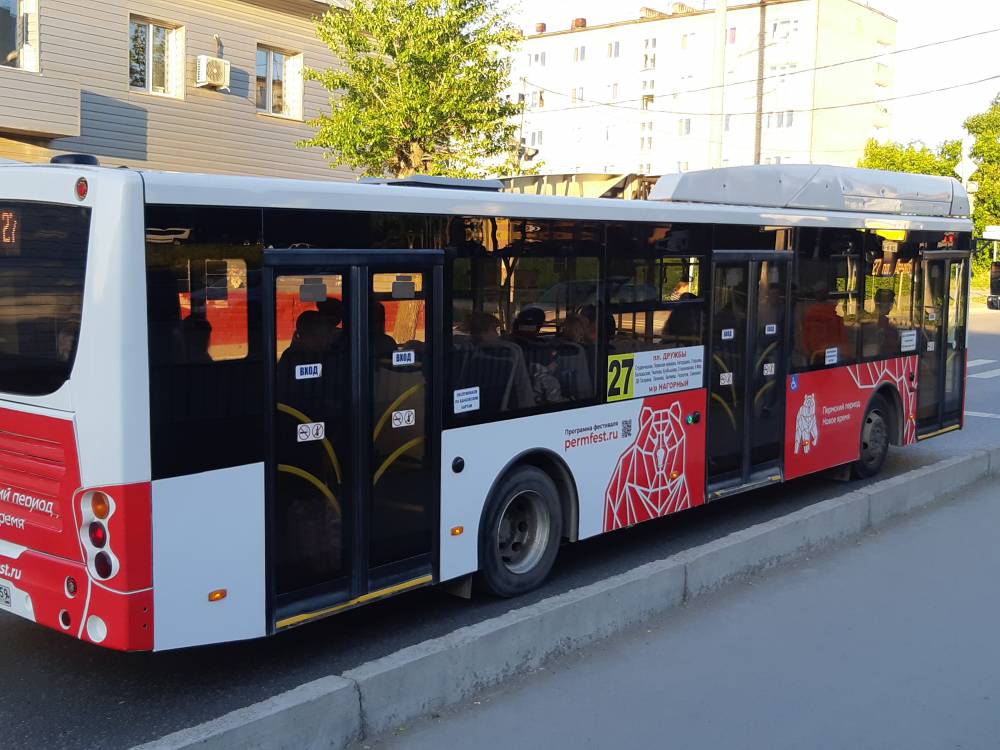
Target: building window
pixel 732 35
pixel 17 47
pixel 687 40
pixel 536 138
pixel 650 44
pixel 153 53
pixel 729 120
pixel 682 166
pixel 684 126
pixel 647 101
pixel 279 83
pixel 579 54
pixel 649 61
pixel 537 59
pixel 614 90
pixel 614 48
pixel 783 29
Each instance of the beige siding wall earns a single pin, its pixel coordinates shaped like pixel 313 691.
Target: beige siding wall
pixel 202 130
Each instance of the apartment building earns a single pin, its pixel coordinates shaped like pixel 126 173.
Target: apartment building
pixel 681 88
pixel 188 85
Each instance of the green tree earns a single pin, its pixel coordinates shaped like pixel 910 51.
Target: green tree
pixel 985 152
pixel 913 157
pixel 420 90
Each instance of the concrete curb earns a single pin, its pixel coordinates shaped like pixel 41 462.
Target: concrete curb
pixel 374 697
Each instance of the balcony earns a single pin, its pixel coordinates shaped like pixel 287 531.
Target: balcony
pixel 35 105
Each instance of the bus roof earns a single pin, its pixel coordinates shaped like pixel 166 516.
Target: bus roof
pixel 819 187
pixel 179 188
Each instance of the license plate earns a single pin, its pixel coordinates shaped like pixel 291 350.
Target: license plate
pixel 5 596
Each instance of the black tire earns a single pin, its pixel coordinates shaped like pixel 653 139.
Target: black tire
pixel 520 533
pixel 874 440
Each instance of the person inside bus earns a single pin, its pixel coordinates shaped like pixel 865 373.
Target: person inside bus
pixel 382 344
pixel 333 310
pixel 887 333
pixel 540 353
pixel 683 327
pixel 482 327
pixel 197 335
pixel 822 325
pixel 66 340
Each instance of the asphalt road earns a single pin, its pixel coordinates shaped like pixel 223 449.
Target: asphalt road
pixel 60 693
pixel 887 643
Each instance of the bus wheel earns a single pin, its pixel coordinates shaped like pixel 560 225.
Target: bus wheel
pixel 874 440
pixel 520 534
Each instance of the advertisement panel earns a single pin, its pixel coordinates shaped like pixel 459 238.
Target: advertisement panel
pixel 630 461
pixel 826 409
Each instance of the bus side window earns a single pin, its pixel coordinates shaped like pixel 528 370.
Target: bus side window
pixel 656 296
pixel 888 299
pixel 825 315
pixel 524 307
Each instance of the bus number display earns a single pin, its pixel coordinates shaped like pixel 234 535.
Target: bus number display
pixel 10 232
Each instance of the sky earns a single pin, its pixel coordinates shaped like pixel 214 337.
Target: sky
pixel 930 119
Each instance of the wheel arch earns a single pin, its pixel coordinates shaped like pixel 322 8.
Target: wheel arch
pixel 557 470
pixel 890 394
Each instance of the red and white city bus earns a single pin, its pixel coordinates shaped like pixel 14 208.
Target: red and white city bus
pixel 229 406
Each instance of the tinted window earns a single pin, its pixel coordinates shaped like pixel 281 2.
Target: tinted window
pixel 43 258
pixel 825 285
pixel 655 287
pixel 525 312
pixel 887 322
pixel 205 341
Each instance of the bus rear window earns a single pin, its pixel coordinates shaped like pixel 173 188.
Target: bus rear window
pixel 43 257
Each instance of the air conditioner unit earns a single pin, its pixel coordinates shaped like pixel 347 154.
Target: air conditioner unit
pixel 213 72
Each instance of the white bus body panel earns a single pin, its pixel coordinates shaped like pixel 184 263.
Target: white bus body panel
pixel 109 387
pixel 208 534
pixel 488 449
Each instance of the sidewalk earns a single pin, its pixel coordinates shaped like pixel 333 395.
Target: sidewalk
pixel 891 643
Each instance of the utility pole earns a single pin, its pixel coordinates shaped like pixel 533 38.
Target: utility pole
pixel 520 130
pixel 762 38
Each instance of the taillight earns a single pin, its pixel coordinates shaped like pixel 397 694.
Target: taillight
pixel 100 505
pixel 103 565
pixel 97 509
pixel 98 534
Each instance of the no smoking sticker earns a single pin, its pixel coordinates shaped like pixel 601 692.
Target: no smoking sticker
pixel 311 432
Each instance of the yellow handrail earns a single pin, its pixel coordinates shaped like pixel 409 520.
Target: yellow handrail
pixel 388 412
pixel 315 482
pixel 326 443
pixel 393 456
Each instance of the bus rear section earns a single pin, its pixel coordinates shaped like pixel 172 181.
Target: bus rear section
pixel 75 531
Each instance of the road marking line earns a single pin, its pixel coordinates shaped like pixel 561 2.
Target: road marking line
pixel 986 375
pixel 984 414
pixel 978 362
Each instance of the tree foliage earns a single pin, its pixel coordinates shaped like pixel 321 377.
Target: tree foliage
pixel 913 157
pixel 985 152
pixel 420 90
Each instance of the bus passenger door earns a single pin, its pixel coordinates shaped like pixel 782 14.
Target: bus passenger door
pixel 942 315
pixel 747 369
pixel 352 470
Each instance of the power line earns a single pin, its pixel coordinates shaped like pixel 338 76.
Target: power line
pixel 806 110
pixel 622 105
